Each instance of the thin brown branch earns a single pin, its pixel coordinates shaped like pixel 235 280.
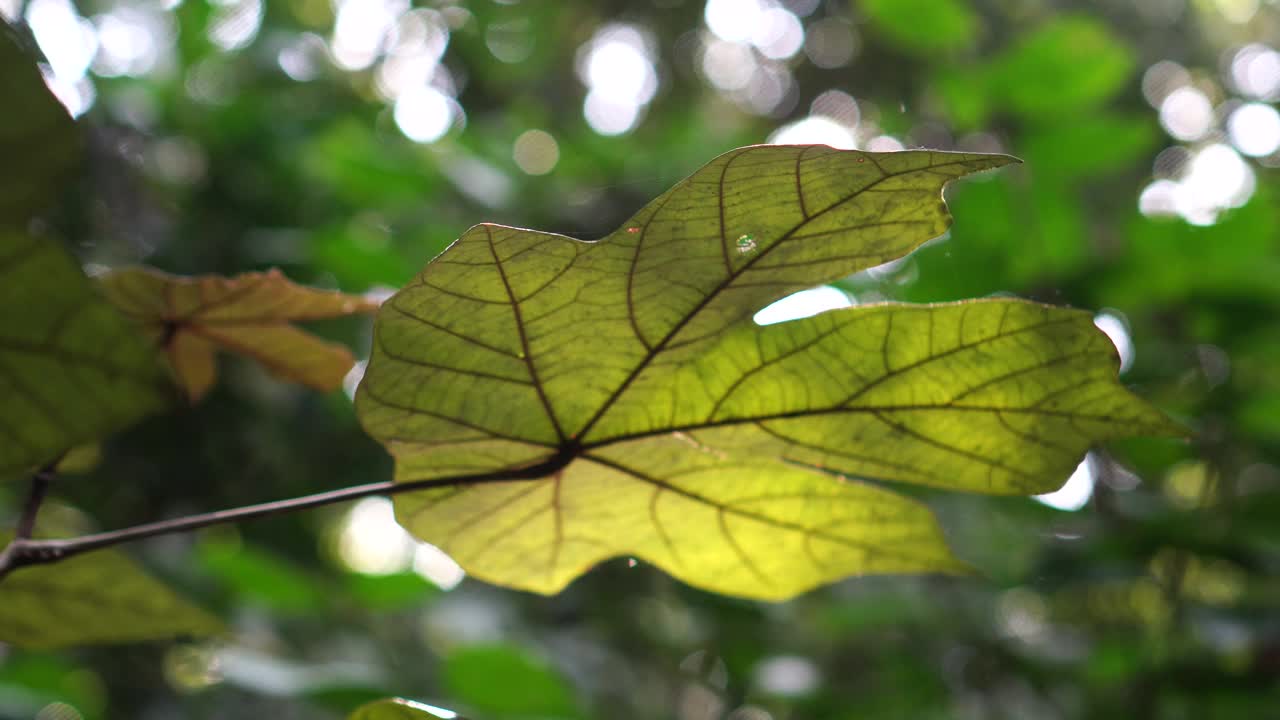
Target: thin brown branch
pixel 35 498
pixel 11 556
pixel 25 551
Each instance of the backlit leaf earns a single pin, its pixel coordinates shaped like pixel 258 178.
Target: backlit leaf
pixel 665 425
pixel 100 597
pixel 71 369
pixel 39 144
pixel 193 317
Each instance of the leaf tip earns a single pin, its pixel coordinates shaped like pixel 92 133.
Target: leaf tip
pixel 993 161
pixel 1173 428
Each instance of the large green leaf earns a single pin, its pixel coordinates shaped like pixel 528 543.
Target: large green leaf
pixel 672 428
pixel 71 369
pixel 95 598
pixel 38 141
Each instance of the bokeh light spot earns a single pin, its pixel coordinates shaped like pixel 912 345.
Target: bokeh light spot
pixel 787 675
pixel 815 130
pixel 1254 128
pixel 1186 113
pixel 1255 71
pixel 837 105
pixel 884 143
pixel 729 66
pixel 360 30
pixel 779 34
pixel 536 152
pixel 131 41
pixel 301 59
pixel 1161 79
pixel 609 117
pixel 371 542
pixel 830 43
pixel 235 23
pixel 424 114
pixel 511 41
pixel 734 21
pixel 58 711
pixel 617 67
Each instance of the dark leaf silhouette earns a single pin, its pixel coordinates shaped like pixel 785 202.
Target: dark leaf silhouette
pixel 71 369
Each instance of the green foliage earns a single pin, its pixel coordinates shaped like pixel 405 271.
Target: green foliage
pixel 256 576
pixel 530 688
pixel 38 142
pixel 72 370
pixel 1065 67
pixel 1089 146
pixel 1059 73
pixel 260 140
pixel 98 597
pixel 923 26
pixel 1235 256
pixel 683 434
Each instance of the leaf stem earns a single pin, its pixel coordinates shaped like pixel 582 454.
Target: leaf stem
pixel 25 551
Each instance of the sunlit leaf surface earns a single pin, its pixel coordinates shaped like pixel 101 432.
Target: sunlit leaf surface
pixel 686 435
pixel 193 317
pixel 96 598
pixel 39 144
pixel 72 370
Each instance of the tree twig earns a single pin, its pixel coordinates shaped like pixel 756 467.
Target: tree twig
pixel 35 498
pixel 9 557
pixel 25 551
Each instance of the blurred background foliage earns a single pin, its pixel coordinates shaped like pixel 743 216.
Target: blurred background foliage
pixel 349 141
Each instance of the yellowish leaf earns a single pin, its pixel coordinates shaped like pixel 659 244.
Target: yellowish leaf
pixel 626 379
pixel 251 315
